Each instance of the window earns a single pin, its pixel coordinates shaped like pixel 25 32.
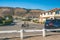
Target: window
pixel 58 12
pixel 49 13
pixel 44 13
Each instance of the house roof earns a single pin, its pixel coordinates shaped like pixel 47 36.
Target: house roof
pixel 53 10
pixel 37 11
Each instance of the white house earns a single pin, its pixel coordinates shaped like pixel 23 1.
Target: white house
pixel 55 13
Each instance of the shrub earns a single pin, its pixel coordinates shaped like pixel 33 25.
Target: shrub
pixel 36 21
pixel 8 19
pixel 1 20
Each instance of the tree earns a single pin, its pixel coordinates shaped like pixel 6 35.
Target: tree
pixel 8 19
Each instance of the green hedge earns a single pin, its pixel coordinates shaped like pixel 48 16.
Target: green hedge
pixel 36 21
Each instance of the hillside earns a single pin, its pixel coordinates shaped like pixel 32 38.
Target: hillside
pixel 22 12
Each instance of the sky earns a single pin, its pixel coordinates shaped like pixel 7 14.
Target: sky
pixel 31 4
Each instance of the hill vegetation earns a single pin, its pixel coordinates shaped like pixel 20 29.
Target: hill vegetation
pixel 21 12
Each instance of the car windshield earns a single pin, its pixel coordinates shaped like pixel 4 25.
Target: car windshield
pixel 48 21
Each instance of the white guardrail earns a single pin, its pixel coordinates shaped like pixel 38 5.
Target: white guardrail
pixel 21 31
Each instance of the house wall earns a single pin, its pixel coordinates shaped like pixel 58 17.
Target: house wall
pixel 49 15
pixel 46 15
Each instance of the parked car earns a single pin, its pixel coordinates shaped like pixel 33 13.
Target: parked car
pixel 52 24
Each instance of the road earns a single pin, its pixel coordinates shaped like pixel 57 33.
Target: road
pixel 18 24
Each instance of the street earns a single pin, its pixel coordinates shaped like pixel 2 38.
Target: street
pixel 17 26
